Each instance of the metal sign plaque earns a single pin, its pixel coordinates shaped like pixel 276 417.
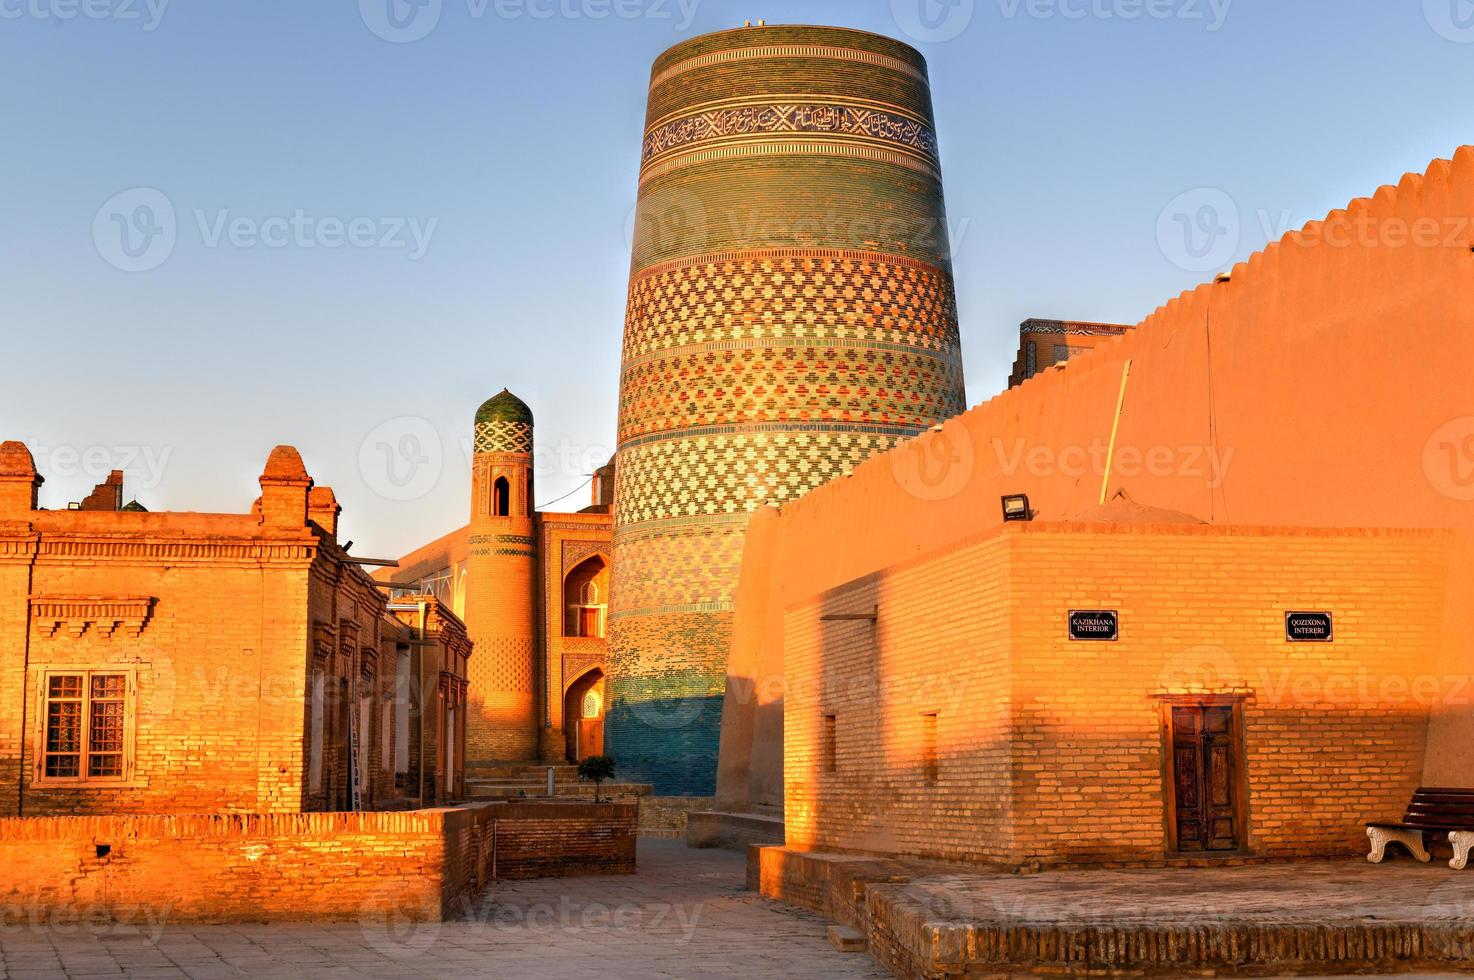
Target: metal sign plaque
pixel 1093 624
pixel 1308 627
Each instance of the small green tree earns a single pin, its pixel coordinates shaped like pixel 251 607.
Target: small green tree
pixel 596 768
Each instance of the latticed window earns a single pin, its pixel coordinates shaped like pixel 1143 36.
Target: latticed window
pixel 86 717
pixel 593 703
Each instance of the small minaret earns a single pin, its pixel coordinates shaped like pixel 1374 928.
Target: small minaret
pixel 500 577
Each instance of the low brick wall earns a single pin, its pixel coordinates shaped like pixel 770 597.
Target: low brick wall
pixel 557 839
pixel 425 865
pixel 733 831
pixel 666 816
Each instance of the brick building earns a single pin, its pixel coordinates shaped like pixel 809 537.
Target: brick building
pixel 1197 726
pixel 206 663
pixel 533 589
pixel 1045 343
pixel 1268 449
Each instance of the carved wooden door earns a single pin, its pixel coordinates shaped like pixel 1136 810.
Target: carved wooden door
pixel 1205 778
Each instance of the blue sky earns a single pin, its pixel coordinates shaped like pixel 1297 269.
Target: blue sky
pixel 372 235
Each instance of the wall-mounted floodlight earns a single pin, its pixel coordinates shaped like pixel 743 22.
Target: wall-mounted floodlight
pixel 1016 507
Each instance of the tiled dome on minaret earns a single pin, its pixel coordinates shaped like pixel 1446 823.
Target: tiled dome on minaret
pixel 504 425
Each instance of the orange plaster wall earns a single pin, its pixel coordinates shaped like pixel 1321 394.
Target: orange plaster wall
pixel 1330 381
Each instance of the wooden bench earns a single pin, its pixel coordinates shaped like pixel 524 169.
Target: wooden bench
pixel 1431 810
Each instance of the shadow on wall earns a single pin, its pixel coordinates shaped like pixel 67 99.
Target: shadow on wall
pixel 664 737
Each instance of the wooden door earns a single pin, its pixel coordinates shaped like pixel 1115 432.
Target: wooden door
pixel 588 621
pixel 590 737
pixel 1205 778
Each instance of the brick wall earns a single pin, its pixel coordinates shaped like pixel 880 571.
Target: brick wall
pixel 1328 409
pixel 1049 750
pixel 553 840
pixel 424 865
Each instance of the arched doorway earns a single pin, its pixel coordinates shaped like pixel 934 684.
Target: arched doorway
pixel 586 598
pixel 583 716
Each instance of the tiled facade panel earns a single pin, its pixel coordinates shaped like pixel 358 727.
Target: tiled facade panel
pixel 791 313
pixel 1049 750
pixel 723 477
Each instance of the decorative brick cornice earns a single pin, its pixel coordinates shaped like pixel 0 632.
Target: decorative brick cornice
pixel 104 615
pixel 207 550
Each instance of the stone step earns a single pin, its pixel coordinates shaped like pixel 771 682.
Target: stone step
pixel 845 939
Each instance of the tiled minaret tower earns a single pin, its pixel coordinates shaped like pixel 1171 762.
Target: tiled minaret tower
pixel 500 575
pixel 791 313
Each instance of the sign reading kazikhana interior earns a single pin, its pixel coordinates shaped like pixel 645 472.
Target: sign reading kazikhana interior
pixel 1308 627
pixel 1093 624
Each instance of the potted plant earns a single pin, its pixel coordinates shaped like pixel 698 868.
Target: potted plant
pixel 596 768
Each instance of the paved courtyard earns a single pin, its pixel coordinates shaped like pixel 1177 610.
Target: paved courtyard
pixel 684 915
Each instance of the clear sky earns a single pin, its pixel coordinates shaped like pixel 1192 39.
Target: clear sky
pixel 229 224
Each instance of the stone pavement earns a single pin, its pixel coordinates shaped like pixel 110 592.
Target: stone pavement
pixel 684 915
